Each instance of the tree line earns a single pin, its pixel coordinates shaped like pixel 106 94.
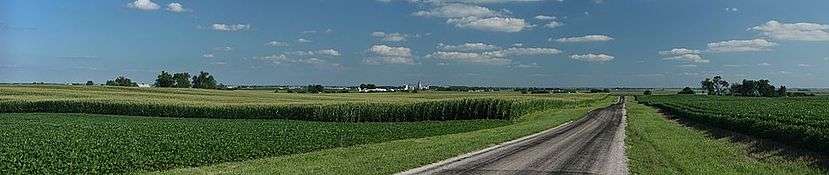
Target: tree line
pixel 177 80
pixel 748 88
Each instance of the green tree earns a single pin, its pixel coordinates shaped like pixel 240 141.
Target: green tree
pixel 315 88
pixel 121 81
pixel 204 81
pixel 765 89
pixel 182 80
pixel 686 90
pixel 648 92
pixel 90 83
pixel 708 85
pixel 164 80
pixel 782 91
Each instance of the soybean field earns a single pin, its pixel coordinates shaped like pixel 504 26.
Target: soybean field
pixel 800 121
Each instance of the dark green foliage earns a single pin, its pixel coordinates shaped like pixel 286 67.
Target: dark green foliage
pixel 164 79
pixel 782 91
pixel 459 109
pixel 367 86
pixel 99 144
pixel 802 122
pixel 204 81
pixel 121 81
pixel 182 80
pixel 90 83
pixel 315 89
pixel 687 90
pixel 648 92
pixel 752 88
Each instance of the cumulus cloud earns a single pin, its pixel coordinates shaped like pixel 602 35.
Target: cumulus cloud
pixel 457 11
pixel 143 5
pixel 230 27
pixel 209 55
pixel 276 44
pixel 384 54
pixel 468 47
pixel 480 53
pixel 223 49
pixel 764 64
pixel 680 51
pixel 588 38
pixel 468 57
pixel 390 37
pixel 542 17
pixel 303 40
pixel 741 45
pixel 794 31
pixel 494 24
pixel 324 52
pixel 731 9
pixel 176 7
pixel 475 17
pixel 684 54
pixel 593 57
pixel 285 59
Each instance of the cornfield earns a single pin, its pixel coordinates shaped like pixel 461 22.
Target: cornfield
pixel 328 108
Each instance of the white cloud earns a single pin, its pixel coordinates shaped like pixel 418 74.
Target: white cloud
pixel 680 51
pixel 390 37
pixel 542 17
pixel 732 9
pixel 383 54
pixel 176 7
pixel 458 11
pixel 470 1
pixel 593 57
pixel 284 59
pixel 588 38
pixel 303 40
pixel 764 64
pixel 794 31
pixel 525 52
pixel 741 46
pixel 684 54
pixel 465 54
pixel 553 24
pixel 143 5
pixel 324 52
pixel 468 57
pixel 276 44
pixel 468 47
pixel 230 27
pixel 475 17
pixel 804 65
pixel 210 55
pixel 495 24
pixel 688 65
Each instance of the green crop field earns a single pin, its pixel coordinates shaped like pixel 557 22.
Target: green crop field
pixel 102 130
pixel 800 121
pixel 381 107
pixel 656 145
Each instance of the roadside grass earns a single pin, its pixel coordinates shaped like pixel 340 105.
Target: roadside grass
pixel 36 143
pixel 655 145
pixel 400 155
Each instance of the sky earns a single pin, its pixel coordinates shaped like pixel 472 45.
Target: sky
pixel 540 43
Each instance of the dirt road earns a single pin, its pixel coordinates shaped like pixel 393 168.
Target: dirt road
pixel 591 145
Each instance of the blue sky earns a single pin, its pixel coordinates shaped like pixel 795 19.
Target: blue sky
pixel 569 43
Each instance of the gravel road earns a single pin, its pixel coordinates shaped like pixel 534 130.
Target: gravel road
pixel 591 145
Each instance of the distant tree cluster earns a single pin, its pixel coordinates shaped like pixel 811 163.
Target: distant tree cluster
pixel 178 80
pixel 687 90
pixel 182 80
pixel 748 88
pixel 122 81
pixel 368 86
